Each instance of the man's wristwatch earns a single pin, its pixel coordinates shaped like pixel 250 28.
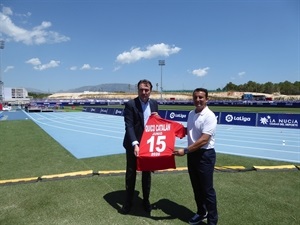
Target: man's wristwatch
pixel 186 150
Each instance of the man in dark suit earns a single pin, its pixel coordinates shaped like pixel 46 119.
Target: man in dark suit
pixel 136 114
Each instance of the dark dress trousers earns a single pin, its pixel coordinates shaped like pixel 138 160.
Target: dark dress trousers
pixel 134 127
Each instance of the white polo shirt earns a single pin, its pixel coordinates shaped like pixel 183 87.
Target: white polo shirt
pixel 204 122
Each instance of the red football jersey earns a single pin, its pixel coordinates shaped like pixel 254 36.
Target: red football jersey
pixel 157 144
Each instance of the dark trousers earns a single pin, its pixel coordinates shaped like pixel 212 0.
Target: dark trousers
pixel 130 179
pixel 201 165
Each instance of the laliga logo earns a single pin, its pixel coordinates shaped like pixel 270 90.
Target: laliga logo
pixel 229 118
pixel 173 115
pixel 118 112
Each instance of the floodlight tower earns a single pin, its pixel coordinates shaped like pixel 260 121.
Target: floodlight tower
pixel 161 63
pixel 1 82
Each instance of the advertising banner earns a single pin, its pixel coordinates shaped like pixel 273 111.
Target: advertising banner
pixel 278 120
pixel 244 119
pixel 230 118
pixel 95 110
pixel 118 112
pixel 177 115
pixel 103 110
pixel 218 116
pixel 86 109
pixel 162 113
pixel 110 111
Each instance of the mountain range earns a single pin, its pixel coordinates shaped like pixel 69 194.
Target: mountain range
pixel 111 87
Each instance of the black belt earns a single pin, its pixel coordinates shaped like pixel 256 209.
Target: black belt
pixel 206 149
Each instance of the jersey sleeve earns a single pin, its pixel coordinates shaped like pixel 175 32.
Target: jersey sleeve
pixel 179 130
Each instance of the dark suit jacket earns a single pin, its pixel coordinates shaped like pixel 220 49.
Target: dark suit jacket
pixel 134 121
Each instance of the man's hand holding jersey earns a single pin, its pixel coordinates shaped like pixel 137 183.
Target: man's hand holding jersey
pixel 181 151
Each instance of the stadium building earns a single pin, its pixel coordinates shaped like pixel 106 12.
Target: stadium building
pixel 15 96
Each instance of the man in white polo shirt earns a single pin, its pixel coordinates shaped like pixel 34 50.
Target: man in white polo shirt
pixel 201 157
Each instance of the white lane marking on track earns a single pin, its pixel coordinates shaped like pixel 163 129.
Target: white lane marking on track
pixel 73 125
pixel 260 156
pixel 255 142
pixel 79 131
pixel 74 121
pixel 261 132
pixel 233 136
pixel 262 149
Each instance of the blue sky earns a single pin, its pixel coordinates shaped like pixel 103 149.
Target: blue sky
pixel 57 45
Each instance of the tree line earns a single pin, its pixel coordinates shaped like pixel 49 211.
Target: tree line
pixel 285 88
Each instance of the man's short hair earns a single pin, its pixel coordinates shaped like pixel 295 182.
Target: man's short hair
pixel 203 90
pixel 145 81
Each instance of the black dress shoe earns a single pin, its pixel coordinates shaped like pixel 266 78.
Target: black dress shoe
pixel 147 206
pixel 125 209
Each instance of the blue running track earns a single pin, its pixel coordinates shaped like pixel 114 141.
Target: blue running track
pixel 90 135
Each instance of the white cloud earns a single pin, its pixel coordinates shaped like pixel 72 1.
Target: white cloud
pixel 88 67
pixel 37 65
pixel 34 61
pixel 51 64
pixel 241 74
pixel 116 68
pixel 200 72
pixel 37 35
pixel 152 51
pixel 8 68
pixel 73 68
